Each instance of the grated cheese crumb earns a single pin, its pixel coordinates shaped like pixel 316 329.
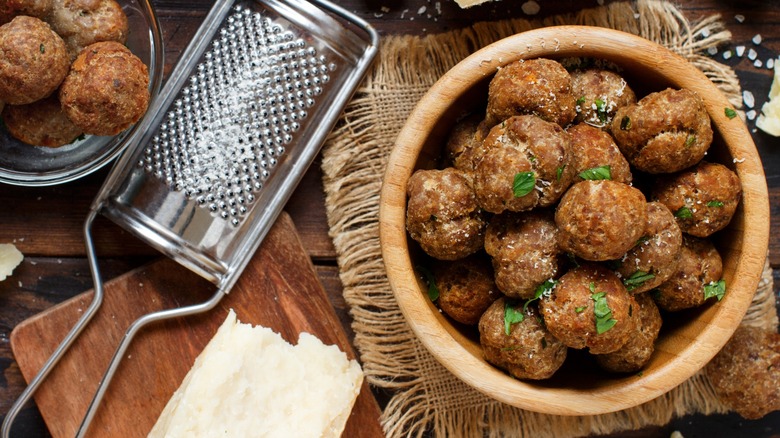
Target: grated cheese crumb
pixel 740 18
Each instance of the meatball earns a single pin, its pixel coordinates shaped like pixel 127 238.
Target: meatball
pixel 599 93
pixel 464 141
pixel 514 338
pixel 526 163
pixel 746 372
pixel 524 248
pixel 696 278
pixel 636 353
pixel 442 214
pixel 33 8
pixel 84 22
pixel 535 86
pixel 654 258
pixel 664 132
pixel 33 60
pixel 594 149
pixel 41 123
pixel 107 89
pixel 703 198
pixel 466 288
pixel 600 220
pixel 590 307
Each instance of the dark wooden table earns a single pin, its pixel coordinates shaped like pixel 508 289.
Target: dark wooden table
pixel 46 223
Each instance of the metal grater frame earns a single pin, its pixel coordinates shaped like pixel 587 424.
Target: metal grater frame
pixel 213 222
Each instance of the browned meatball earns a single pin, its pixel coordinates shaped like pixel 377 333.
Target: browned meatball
pixel 595 151
pixel 600 220
pixel 524 248
pixel 466 288
pixel 635 354
pixel 33 8
pixel 535 86
pixel 464 140
pixel 664 132
pixel 106 90
pixel 590 307
pixel 703 198
pixel 696 278
pixel 41 123
pixel 526 163
pixel 84 22
pixel 33 60
pixel 515 339
pixel 442 214
pixel 600 93
pixel 654 258
pixel 746 372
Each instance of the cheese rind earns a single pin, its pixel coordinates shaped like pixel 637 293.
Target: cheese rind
pixel 249 382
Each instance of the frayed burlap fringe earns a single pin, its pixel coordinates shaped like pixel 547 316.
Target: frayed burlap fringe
pixel 427 398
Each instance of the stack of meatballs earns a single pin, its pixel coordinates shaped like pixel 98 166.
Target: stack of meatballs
pixel 65 72
pixel 570 215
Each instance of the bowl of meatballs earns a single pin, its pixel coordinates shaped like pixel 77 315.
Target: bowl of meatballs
pixel 574 220
pixel 75 78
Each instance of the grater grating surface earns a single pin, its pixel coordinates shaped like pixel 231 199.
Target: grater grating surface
pixel 211 165
pixel 243 105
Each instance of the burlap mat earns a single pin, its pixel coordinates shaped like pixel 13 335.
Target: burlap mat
pixel 427 398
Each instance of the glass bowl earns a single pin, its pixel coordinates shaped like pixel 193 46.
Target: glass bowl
pixel 25 165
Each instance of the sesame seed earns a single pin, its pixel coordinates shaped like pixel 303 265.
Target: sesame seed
pixel 740 18
pixel 740 51
pixel 757 39
pixel 748 98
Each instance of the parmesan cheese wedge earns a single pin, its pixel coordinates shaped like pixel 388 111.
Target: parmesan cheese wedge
pixel 249 382
pixel 769 119
pixel 10 258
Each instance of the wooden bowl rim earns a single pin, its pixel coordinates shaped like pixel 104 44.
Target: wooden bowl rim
pixel 623 49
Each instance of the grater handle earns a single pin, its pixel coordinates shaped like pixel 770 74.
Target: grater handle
pixel 72 335
pixel 134 328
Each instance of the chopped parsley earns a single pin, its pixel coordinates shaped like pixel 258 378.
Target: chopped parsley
pixel 715 204
pixel 581 100
pixel 715 289
pixel 690 140
pixel 511 316
pixel 683 213
pixel 601 310
pixel 559 172
pixel 601 110
pixel 637 279
pixel 43 48
pixel 523 184
pixel 544 288
pixel 580 309
pixel 597 173
pixel 625 123
pixel 730 113
pixel 433 290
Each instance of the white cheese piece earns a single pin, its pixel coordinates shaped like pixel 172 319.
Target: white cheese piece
pixel 249 382
pixel 10 258
pixel 769 119
pixel 469 3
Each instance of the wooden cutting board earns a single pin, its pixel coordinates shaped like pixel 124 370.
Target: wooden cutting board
pixel 278 289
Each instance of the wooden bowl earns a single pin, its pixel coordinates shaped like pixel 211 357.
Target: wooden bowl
pixel 688 339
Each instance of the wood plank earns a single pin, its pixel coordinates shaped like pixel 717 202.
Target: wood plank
pixel 279 289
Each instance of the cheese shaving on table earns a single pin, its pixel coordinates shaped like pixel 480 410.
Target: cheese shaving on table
pixel 10 258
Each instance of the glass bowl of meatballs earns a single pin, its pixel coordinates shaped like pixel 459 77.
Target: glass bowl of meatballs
pixel 574 220
pixel 75 78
